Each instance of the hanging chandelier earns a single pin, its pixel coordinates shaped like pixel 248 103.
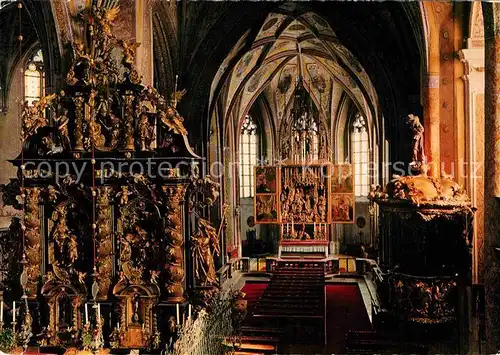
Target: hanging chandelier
pixel 304 127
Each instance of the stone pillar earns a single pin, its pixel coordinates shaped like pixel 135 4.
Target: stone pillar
pixel 144 36
pixel 431 98
pixel 431 122
pixel 473 59
pixel 492 176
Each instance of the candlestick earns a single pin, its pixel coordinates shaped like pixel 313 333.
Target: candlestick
pixel 86 314
pixel 177 314
pixel 189 311
pixel 14 312
pixel 1 312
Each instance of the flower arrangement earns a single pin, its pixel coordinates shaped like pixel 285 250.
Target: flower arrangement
pixel 7 340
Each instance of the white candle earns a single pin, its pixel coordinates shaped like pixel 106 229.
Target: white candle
pixel 14 312
pixel 86 314
pixel 98 312
pixel 118 325
pixel 1 312
pixel 177 313
pixel 189 311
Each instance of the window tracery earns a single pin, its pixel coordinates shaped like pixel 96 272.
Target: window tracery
pixel 34 78
pixel 360 152
pixel 249 150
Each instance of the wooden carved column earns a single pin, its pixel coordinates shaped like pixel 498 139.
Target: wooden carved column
pixel 33 240
pixel 79 117
pixel 173 230
pixel 104 242
pixel 492 175
pixel 128 118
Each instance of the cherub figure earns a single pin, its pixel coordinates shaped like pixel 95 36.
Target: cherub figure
pixel 124 194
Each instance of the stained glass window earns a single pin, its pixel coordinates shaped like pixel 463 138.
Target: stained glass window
pixel 360 156
pixel 249 150
pixel 34 79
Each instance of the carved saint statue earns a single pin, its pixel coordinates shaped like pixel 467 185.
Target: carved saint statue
pixel 62 126
pixel 418 155
pixel 145 132
pixel 204 243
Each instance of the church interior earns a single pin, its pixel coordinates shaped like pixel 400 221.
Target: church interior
pixel 231 177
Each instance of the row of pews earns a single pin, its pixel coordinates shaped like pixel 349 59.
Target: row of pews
pixel 291 310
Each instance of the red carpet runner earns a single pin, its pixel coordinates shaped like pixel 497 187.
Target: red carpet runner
pixel 345 311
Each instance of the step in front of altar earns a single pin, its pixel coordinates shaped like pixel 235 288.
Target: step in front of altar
pixel 299 248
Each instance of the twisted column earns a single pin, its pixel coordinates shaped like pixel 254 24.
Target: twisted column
pixel 33 238
pixel 173 230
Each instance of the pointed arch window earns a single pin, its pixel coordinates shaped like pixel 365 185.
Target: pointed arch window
pixel 360 155
pixel 249 150
pixel 34 78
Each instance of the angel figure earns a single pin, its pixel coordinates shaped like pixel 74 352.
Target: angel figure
pixel 128 48
pixel 205 243
pixel 107 20
pixel 172 121
pixel 32 119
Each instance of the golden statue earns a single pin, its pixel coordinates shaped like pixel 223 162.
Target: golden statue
pixel 96 135
pixel 33 117
pixel 146 133
pixel 204 243
pixel 62 126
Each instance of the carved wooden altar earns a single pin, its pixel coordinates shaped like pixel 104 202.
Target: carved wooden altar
pixel 106 173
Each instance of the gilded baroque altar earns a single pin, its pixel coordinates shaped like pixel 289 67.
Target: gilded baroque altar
pixel 105 227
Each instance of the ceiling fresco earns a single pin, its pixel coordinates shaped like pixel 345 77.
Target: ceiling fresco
pixel 242 69
pixel 270 26
pixel 257 82
pixel 326 66
pixel 225 64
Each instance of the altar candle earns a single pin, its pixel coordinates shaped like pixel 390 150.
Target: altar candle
pixel 1 312
pixel 14 312
pixel 189 311
pixel 118 325
pixel 86 314
pixel 177 313
pixel 98 312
